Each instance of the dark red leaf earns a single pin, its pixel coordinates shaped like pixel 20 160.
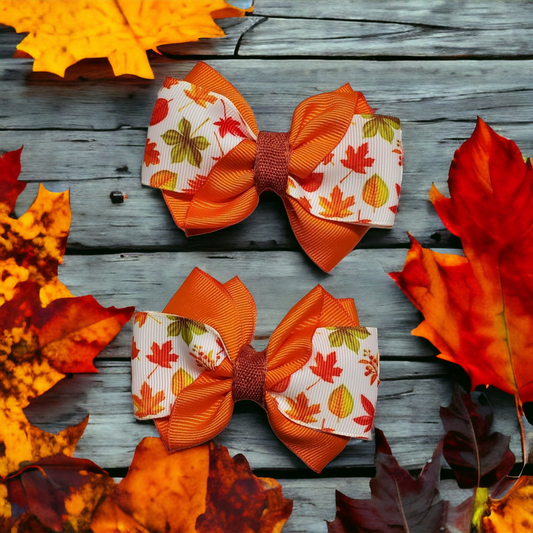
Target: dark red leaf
pixel 10 187
pixel 477 457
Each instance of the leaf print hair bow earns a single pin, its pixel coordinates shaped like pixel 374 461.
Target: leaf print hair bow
pixel 338 170
pixel 317 379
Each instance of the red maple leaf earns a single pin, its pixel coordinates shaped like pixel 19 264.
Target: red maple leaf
pixel 357 161
pixel 312 182
pixel 366 420
pixel 325 368
pixel 169 82
pixel 229 125
pixel 195 183
pixel 134 350
pixel 162 355
pixel 306 204
pixel 151 155
pixel 328 159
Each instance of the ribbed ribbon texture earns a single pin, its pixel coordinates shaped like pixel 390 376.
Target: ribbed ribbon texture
pixel 317 379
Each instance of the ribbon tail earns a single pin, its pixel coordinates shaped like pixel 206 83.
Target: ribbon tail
pixel 326 242
pixel 315 448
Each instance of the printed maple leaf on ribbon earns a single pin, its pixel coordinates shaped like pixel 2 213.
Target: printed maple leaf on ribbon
pixel 151 155
pixel 336 206
pixel 357 161
pixel 301 410
pixel 63 32
pixel 368 419
pixel 325 368
pixel 148 403
pixel 200 489
pixel 398 501
pixel 162 355
pixel 478 309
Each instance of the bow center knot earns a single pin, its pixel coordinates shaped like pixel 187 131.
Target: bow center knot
pixel 249 373
pixel 271 170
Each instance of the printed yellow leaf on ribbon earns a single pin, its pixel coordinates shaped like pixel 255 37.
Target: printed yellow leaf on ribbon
pixel 340 402
pixel 180 380
pixel 63 32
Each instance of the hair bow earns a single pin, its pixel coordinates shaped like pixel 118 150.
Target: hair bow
pixel 338 170
pixel 317 379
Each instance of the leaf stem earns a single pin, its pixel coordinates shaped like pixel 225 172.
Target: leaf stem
pixel 311 386
pixel 520 413
pixel 345 176
pixel 206 120
pixel 183 107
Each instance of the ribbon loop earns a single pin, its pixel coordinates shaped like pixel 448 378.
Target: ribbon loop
pixel 271 170
pixel 249 374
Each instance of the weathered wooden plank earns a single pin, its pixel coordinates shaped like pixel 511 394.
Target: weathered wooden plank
pixel 415 91
pixel 277 281
pixel 458 14
pixel 314 502
pixel 408 413
pixel 344 38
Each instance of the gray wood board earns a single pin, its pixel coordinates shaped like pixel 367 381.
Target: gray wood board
pixel 276 280
pixel 414 91
pixel 407 411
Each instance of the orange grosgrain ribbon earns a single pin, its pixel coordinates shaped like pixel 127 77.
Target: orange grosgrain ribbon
pixel 317 379
pixel 338 169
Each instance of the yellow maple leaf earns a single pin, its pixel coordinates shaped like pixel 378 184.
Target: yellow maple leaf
pixel 63 32
pixel 336 207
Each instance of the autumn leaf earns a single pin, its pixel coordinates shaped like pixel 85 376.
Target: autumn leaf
pixel 140 318
pixel 357 161
pixel 185 146
pixel 514 512
pixel 184 327
pixel 348 335
pixel 340 402
pixel 477 457
pixel 325 368
pixel 312 182
pixel 301 410
pixel 148 403
pixel 398 501
pixel 199 489
pixel 63 32
pixel 164 179
pixel 200 96
pixel 160 111
pixel 375 191
pixel 478 309
pixel 368 419
pixel 60 492
pixel 306 204
pixel 162 355
pixel 10 187
pixel 328 158
pixel 180 380
pixel 151 155
pixel 229 125
pixel 381 124
pixel 336 207
pixel 372 365
pixel 134 350
pixel 195 183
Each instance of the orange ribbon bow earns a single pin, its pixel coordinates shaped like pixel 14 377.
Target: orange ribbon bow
pixel 317 379
pixel 338 170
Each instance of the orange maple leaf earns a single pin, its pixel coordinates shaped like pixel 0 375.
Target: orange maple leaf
pixel 121 30
pixel 195 183
pixel 336 207
pixel 325 368
pixel 200 95
pixel 134 350
pixel 140 318
pixel 203 492
pixel 357 161
pixel 151 155
pixel 478 309
pixel 306 204
pixel 162 355
pixel 301 410
pixel 148 404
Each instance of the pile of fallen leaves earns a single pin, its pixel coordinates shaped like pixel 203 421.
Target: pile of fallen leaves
pixel 64 32
pixel 478 311
pixel 46 333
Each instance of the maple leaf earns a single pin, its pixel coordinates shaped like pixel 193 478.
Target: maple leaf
pixel 312 182
pixel 328 158
pixel 477 457
pixel 477 308
pixel 199 489
pixel 134 350
pixel 162 355
pixel 306 204
pixel 336 207
pixel 229 125
pixel 357 161
pixel 140 318
pixel 121 30
pixel 368 419
pixel 398 501
pixel 200 96
pixel 185 146
pixel 151 155
pixel 301 410
pixel 325 368
pixel 195 183
pixel 148 404
pixel 58 491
